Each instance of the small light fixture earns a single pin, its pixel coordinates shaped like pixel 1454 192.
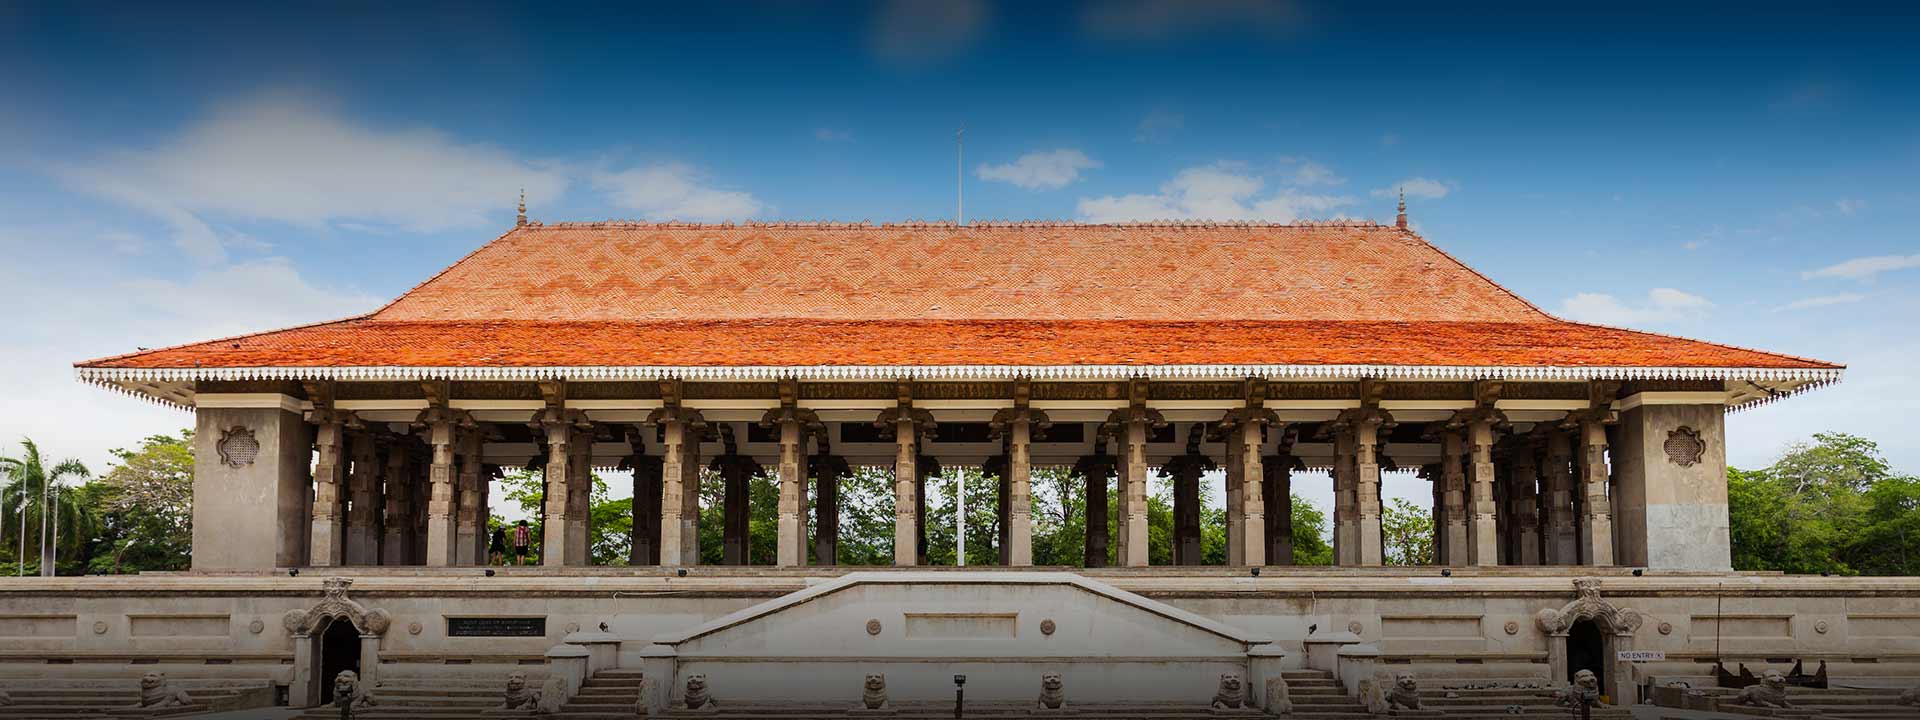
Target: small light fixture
pixel 959 680
pixel 1824 573
pixel 1637 572
pixel 1256 572
pixel 489 572
pixel 1445 572
pixel 295 572
pixel 682 572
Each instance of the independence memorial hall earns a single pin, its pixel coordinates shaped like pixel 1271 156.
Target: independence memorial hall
pixel 341 503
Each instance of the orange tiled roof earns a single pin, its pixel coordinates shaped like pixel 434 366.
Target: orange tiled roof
pixel 627 294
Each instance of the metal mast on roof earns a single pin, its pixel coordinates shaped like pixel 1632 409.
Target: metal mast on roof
pixel 960 177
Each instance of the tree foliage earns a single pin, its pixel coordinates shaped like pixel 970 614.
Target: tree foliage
pixel 1833 505
pixel 39 511
pixel 1408 531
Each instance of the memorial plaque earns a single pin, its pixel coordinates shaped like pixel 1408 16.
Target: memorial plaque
pixel 496 627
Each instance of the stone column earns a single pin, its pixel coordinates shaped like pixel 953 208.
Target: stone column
pixel 1346 515
pixel 1562 541
pixel 792 541
pixel 1453 480
pixel 1252 542
pixel 396 547
pixel 442 426
pixel 736 513
pixel 250 480
pixel 645 549
pixel 580 494
pixel 1596 521
pixel 906 495
pixel 1121 540
pixel 1482 532
pixel 1020 494
pixel 1523 496
pixel 1366 489
pixel 1277 488
pixel 327 543
pixel 1135 493
pixel 827 470
pixel 1185 471
pixel 1672 464
pixel 679 485
pixel 559 431
pixel 363 513
pixel 466 497
pixel 1236 484
pixel 1096 468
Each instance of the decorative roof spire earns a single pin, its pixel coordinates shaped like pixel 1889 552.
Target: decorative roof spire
pixel 521 219
pixel 1399 221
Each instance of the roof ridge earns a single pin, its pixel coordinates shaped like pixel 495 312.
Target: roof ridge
pixel 443 271
pixel 994 224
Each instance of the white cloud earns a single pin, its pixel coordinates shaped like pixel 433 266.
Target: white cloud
pixel 1158 125
pixel 671 191
pixel 1416 187
pixel 1865 268
pixel 1849 206
pixel 1213 192
pixel 1047 170
pixel 1662 305
pixel 290 158
pixel 916 32
pixel 1307 173
pixel 830 135
pixel 1823 301
pixel 1160 19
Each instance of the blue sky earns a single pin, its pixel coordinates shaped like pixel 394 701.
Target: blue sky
pixel 1741 173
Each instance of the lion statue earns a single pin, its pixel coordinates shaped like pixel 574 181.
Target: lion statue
pixel 873 692
pixel 518 696
pixel 347 691
pixel 1770 692
pixel 1053 694
pixel 1405 694
pixel 698 697
pixel 155 692
pixel 1232 694
pixel 1585 690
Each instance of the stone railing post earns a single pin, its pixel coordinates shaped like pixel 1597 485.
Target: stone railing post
pixel 1265 662
pixel 603 649
pixel 657 667
pixel 569 663
pixel 1323 651
pixel 1355 668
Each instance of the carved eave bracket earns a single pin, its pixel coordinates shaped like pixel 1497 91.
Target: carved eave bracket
pixel 1588 605
pixel 335 605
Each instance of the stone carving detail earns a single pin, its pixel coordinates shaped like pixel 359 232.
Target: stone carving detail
pixel 1665 628
pixel 1405 693
pixel 1684 446
pixel 1584 692
pixel 1232 693
pixel 698 697
pixel 518 696
pixel 1047 627
pixel 1820 627
pixel 873 693
pixel 1053 694
pixel 237 447
pixel 335 605
pixel 100 627
pixel 1589 606
pixel 1279 698
pixel 1770 692
pixel 256 627
pixel 414 628
pixel 156 692
pixel 348 693
pixel 1355 627
pixel 873 627
pixel 1512 628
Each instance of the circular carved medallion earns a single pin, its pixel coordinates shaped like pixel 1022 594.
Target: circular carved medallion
pixel 414 628
pixel 573 628
pixel 1820 627
pixel 1046 627
pixel 873 627
pixel 1666 628
pixel 256 627
pixel 100 628
pixel 1684 446
pixel 1512 628
pixel 237 447
pixel 1355 627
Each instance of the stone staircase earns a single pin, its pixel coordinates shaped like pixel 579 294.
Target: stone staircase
pixel 59 699
pixel 1829 704
pixel 609 694
pixel 1505 703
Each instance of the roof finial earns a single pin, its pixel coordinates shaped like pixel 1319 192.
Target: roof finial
pixel 1400 221
pixel 521 220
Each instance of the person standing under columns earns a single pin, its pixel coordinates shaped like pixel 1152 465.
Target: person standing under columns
pixel 1019 424
pixel 905 424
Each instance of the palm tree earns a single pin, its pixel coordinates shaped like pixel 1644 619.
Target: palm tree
pixel 25 501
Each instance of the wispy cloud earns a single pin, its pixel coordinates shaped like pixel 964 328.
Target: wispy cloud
pixel 1417 187
pixel 830 135
pixel 1155 20
pixel 1823 301
pixel 1661 306
pixel 1865 268
pixel 1307 173
pixel 1158 125
pixel 1047 170
pixel 917 32
pixel 292 158
pixel 1222 191
pixel 673 191
pixel 1849 206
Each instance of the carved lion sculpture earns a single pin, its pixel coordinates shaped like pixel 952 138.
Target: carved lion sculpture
pixel 1770 692
pixel 873 692
pixel 1405 693
pixel 1279 698
pixel 155 692
pixel 1053 694
pixel 518 696
pixel 698 697
pixel 1232 693
pixel 347 690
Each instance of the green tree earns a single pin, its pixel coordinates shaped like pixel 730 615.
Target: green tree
pixel 1310 545
pixel 144 508
pixel 866 517
pixel 36 505
pixel 1408 530
pixel 1892 533
pixel 1833 505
